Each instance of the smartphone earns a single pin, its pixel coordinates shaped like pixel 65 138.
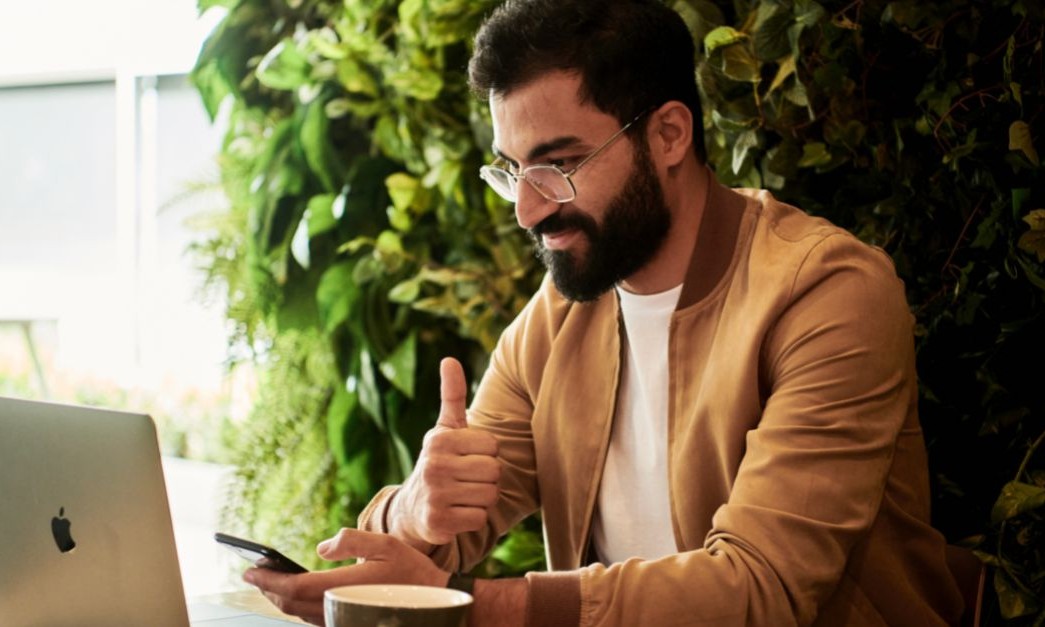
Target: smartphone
pixel 260 555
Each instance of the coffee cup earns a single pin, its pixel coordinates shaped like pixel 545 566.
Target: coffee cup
pixel 377 605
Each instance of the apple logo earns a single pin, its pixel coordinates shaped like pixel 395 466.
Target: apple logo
pixel 60 528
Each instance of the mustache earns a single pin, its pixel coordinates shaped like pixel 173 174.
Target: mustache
pixel 562 221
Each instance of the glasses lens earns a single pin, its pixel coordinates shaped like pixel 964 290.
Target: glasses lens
pixel 550 182
pixel 501 181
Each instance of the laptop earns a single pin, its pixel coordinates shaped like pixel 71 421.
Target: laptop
pixel 85 528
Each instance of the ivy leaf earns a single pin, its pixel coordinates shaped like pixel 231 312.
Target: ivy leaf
pixel 336 295
pixel 814 154
pixel 1033 241
pixel 369 394
pixel 1020 139
pixel 739 64
pixel 402 188
pixel 1017 498
pixel 700 16
pixel 338 415
pixel 405 292
pixel 1036 219
pixel 771 40
pixel 1013 600
pixel 401 365
pixel 721 37
pixel 319 153
pixel 787 68
pixel 299 247
pixel 746 141
pixel 284 67
pixel 320 214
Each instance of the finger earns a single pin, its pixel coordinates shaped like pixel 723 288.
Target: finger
pixel 444 470
pixel 468 495
pixel 460 442
pixel 453 392
pixel 353 543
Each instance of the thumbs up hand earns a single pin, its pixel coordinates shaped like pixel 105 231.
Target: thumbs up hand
pixel 455 479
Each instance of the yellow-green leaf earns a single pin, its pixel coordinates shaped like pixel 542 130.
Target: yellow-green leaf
pixel 1020 139
pixel 722 36
pixel 401 188
pixel 1017 498
pixel 787 68
pixel 814 154
pixel 1036 219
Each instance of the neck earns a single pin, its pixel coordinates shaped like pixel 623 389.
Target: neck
pixel 685 192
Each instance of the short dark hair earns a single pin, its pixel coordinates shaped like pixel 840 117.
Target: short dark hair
pixel 631 54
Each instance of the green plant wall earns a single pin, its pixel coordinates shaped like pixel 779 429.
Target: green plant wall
pixel 359 245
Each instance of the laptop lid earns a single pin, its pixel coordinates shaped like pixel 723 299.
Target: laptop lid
pixel 85 527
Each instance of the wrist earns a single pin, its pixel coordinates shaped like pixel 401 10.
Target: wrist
pixel 397 524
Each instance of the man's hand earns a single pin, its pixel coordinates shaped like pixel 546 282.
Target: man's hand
pixel 455 479
pixel 387 560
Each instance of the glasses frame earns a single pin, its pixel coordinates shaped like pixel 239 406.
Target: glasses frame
pixel 490 172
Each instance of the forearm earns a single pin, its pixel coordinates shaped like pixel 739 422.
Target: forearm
pixel 499 602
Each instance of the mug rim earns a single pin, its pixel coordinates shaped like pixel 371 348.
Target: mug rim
pixel 450 598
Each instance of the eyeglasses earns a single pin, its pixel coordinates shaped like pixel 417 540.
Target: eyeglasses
pixel 549 180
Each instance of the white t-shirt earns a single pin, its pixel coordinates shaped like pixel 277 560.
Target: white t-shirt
pixel 633 514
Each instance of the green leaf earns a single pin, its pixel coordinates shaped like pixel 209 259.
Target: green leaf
pixel 746 141
pixel 1020 139
pixel 405 292
pixel 700 16
pixel 315 143
pixel 401 365
pixel 336 294
pixel 341 406
pixel 1012 599
pixel 721 37
pixel 320 214
pixel 369 393
pixel 1035 219
pixel 770 36
pixel 355 78
pixel 402 189
pixel 1017 498
pixel 284 67
pixel 739 65
pixel 814 154
pixel 522 549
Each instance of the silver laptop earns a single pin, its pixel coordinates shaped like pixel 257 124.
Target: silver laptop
pixel 85 527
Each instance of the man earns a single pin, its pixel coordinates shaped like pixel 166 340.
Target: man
pixel 712 401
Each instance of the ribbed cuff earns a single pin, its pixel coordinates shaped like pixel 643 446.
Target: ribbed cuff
pixel 374 516
pixel 554 599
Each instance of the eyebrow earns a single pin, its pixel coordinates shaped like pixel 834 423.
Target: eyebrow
pixel 542 149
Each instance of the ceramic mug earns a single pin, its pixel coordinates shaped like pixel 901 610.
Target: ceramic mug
pixel 377 605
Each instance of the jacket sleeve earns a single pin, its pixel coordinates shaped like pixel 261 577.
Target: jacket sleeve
pixel 839 364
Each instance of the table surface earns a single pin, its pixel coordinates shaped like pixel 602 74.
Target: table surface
pixel 250 600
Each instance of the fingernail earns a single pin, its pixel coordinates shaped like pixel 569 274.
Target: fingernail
pixel 248 576
pixel 323 547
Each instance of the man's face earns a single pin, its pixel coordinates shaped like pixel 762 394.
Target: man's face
pixel 619 218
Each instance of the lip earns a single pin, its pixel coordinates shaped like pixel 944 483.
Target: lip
pixel 560 239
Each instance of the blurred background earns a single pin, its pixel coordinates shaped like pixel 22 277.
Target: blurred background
pixel 106 154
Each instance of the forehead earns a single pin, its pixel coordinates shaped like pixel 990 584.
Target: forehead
pixel 543 110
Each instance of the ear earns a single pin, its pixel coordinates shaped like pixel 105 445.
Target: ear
pixel 670 133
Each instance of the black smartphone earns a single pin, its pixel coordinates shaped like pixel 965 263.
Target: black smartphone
pixel 260 555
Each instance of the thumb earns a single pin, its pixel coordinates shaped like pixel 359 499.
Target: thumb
pixel 353 543
pixel 452 391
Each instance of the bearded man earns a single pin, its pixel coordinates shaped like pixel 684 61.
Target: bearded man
pixel 711 399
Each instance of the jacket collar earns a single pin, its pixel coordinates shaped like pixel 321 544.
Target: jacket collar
pixel 716 242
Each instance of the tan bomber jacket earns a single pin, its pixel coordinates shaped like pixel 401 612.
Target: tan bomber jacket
pixel 797 468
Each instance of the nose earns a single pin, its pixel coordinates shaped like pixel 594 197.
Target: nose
pixel 531 207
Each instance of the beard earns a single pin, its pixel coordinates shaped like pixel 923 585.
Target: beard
pixel 633 228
